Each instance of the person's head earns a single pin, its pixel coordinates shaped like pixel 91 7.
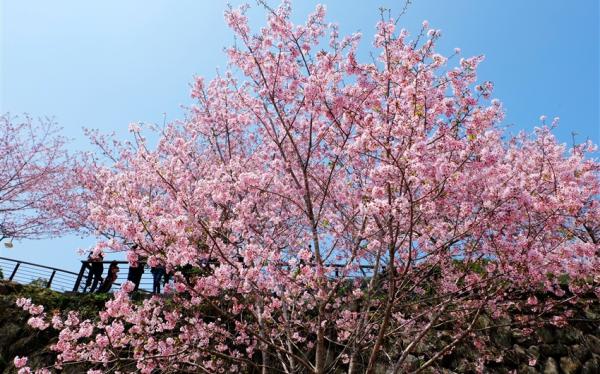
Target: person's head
pixel 95 257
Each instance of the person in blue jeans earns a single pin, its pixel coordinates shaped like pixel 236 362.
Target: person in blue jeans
pixel 158 272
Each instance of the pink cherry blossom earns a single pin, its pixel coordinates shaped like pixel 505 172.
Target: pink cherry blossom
pixel 35 179
pixel 313 207
pixel 20 361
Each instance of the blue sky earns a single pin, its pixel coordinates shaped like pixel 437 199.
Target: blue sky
pixel 104 64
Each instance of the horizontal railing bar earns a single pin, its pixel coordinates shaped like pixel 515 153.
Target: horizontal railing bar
pixel 34 271
pixel 41 266
pixel 61 276
pixel 37 276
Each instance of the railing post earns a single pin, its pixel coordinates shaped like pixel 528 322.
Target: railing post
pixel 51 278
pixel 14 271
pixel 79 276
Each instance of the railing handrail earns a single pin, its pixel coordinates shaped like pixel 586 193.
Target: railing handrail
pixel 212 262
pixel 334 265
pixel 86 266
pixel 38 265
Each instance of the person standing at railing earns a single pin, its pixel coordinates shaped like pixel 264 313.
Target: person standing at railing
pixel 158 272
pixel 135 274
pixel 111 277
pixel 95 272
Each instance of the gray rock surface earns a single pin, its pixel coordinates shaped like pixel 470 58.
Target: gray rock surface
pixel 550 366
pixel 569 365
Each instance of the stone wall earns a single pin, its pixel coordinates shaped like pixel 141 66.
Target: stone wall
pixel 574 348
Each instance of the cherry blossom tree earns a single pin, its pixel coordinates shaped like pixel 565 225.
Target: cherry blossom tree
pixel 34 170
pixel 321 213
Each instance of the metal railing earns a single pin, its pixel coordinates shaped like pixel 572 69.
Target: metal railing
pixel 44 276
pixel 67 281
pixel 61 280
pixel 85 276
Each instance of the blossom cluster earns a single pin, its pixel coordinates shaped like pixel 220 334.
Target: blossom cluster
pixel 312 209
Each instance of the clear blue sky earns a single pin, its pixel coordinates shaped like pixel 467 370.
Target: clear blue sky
pixel 104 64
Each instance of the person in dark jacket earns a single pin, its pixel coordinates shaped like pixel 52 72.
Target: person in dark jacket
pixel 111 277
pixel 95 272
pixel 158 272
pixel 135 275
